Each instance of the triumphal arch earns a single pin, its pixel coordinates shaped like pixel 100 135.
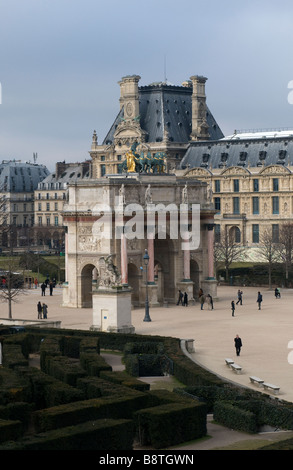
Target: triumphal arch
pixel 112 220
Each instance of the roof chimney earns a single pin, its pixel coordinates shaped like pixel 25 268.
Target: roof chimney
pixel 199 109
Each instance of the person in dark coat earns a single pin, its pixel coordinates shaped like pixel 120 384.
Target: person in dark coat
pixel 180 298
pixel 45 310
pixel 239 295
pixel 39 308
pixel 259 300
pixel 43 287
pixel 233 307
pixel 185 302
pixel 238 344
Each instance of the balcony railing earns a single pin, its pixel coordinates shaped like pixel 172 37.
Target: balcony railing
pixel 234 216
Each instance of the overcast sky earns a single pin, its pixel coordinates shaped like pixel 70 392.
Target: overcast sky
pixel 60 61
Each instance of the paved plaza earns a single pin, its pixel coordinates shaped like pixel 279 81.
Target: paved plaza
pixel 265 333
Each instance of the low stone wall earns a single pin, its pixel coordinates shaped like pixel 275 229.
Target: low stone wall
pixel 37 323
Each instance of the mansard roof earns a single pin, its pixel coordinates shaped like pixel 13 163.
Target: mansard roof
pixel 64 174
pixel 166 108
pixel 251 150
pixel 18 177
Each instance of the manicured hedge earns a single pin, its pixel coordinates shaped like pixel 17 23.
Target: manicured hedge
pixel 93 363
pixel 46 391
pixel 10 430
pixel 170 424
pixel 78 412
pixel 234 417
pixel 106 434
pixel 12 356
pixel 62 368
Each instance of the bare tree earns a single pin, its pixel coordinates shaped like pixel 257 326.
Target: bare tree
pixel 227 250
pixel 286 246
pixel 269 249
pixel 12 285
pixel 4 223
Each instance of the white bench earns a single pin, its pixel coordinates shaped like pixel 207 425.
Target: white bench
pixel 229 362
pixel 189 345
pixel 275 388
pixel 254 379
pixel 236 367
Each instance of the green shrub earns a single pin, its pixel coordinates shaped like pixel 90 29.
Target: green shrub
pixel 93 363
pixel 12 355
pixel 62 368
pixel 121 407
pixel 46 391
pixel 125 379
pixel 10 430
pixel 92 435
pixel 234 417
pixel 170 424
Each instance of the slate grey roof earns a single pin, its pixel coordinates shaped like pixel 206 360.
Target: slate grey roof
pixel 252 151
pixel 17 177
pixel 166 107
pixel 72 172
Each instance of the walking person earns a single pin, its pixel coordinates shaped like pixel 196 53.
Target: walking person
pixel 233 307
pixel 180 298
pixel 277 293
pixel 201 299
pixel 51 287
pixel 185 301
pixel 210 302
pixel 39 308
pixel 259 300
pixel 239 295
pixel 238 344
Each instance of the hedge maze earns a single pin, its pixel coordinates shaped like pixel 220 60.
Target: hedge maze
pixel 73 400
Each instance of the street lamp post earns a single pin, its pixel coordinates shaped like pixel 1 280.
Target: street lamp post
pixel 147 313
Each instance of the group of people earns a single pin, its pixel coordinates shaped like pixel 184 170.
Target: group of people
pixel 44 286
pixel 183 299
pixel 42 310
pixel 240 300
pixel 208 299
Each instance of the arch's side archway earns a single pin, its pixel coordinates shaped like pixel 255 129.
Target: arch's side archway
pixel 164 256
pixel 87 277
pixel 195 277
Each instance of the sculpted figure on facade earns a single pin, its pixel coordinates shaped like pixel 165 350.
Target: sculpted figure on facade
pixel 148 195
pixel 184 195
pixel 109 275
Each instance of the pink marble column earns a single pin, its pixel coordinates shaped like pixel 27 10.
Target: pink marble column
pixel 124 260
pixel 151 253
pixel 210 251
pixel 186 258
pixel 186 267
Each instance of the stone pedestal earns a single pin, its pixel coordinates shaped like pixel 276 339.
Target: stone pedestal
pixel 209 286
pixel 152 294
pixel 186 285
pixel 112 310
